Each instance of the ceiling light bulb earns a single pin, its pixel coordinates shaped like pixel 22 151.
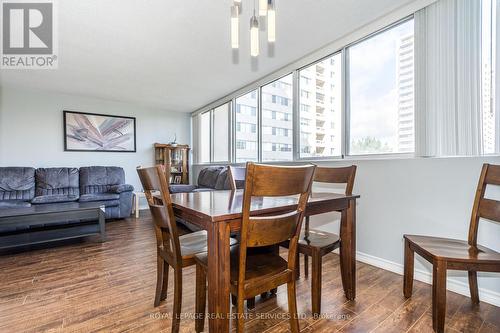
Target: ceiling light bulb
pixel 262 7
pixel 271 22
pixel 254 36
pixel 235 27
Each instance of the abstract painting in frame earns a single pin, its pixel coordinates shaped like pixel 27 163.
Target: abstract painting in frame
pixel 98 132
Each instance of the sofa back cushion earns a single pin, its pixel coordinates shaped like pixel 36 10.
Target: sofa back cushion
pixel 223 180
pixel 17 183
pixel 99 179
pixel 208 177
pixel 57 181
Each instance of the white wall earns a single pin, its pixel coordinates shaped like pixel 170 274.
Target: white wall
pixel 31 131
pixel 432 196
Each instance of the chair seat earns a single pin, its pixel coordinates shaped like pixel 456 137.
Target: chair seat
pixel 260 266
pixel 453 249
pixel 318 238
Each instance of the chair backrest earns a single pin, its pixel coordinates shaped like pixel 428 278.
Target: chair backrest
pixel 157 194
pixel 344 175
pixel 237 176
pixel 273 181
pixel 484 208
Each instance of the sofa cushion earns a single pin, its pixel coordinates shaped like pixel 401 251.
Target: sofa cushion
pixel 99 179
pixel 14 204
pixel 57 181
pixel 182 188
pixel 121 188
pixel 222 182
pixel 99 197
pixel 54 198
pixel 208 177
pixel 17 183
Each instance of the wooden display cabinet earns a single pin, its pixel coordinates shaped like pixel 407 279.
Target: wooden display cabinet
pixel 175 159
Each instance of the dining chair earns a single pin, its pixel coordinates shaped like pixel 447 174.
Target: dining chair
pixel 317 243
pixel 172 250
pixel 252 273
pixel 454 254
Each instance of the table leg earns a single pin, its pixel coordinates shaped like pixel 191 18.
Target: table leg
pixel 102 223
pixel 348 250
pixel 136 204
pixel 218 277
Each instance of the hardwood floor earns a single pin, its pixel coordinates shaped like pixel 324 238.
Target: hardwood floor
pixel 89 287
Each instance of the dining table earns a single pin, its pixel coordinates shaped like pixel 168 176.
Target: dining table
pixel 220 214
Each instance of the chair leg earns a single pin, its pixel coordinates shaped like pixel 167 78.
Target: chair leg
pixel 306 265
pixel 240 315
pixel 251 303
pixel 409 262
pixel 474 293
pixel 161 283
pixel 292 307
pixel 176 317
pixel 438 296
pixel 164 288
pixel 201 298
pixel 316 283
pixel 297 266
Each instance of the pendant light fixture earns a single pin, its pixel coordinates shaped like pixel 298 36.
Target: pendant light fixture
pixel 254 36
pixel 271 22
pixel 262 7
pixel 235 27
pixel 266 8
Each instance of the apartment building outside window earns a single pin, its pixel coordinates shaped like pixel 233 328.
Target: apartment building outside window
pixel 277 127
pixel 319 137
pixel 246 128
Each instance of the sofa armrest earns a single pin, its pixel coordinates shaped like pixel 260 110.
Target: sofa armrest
pixel 121 188
pixel 182 188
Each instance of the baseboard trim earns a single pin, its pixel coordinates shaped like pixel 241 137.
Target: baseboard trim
pixel 485 295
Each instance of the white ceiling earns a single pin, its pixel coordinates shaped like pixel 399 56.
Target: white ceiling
pixel 176 55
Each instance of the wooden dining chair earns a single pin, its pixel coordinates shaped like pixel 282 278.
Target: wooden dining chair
pixel 253 273
pixel 455 254
pixel 317 243
pixel 172 250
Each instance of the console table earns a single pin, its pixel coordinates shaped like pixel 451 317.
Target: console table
pixel 51 222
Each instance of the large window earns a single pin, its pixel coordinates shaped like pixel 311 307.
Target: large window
pixel 381 92
pixel 221 133
pixel 320 117
pixel 277 120
pixel 246 127
pixel 204 137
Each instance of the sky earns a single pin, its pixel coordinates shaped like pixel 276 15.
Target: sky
pixel 373 85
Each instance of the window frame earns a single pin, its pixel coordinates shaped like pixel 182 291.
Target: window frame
pixel 295 100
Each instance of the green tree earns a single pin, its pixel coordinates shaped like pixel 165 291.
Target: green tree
pixel 369 145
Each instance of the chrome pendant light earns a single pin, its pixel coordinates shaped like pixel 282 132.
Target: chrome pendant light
pixel 266 9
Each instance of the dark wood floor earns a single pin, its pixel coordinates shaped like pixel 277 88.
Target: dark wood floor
pixel 89 286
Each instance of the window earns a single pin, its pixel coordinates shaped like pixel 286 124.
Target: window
pixel 204 137
pixel 319 137
pixel 221 133
pixel 277 138
pixel 246 128
pixel 381 92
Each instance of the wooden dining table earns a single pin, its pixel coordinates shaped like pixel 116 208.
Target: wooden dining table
pixel 219 213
